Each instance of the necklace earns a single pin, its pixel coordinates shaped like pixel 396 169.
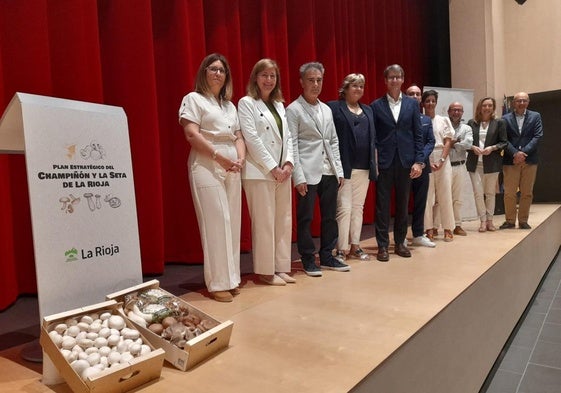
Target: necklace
pixel 356 109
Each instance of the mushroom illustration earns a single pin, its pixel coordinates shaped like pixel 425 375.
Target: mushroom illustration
pixel 64 201
pixel 98 201
pixel 91 202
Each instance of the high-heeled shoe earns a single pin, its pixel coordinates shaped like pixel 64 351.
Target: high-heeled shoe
pixel 483 227
pixel 490 226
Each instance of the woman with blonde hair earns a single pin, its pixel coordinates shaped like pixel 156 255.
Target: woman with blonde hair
pixel 354 123
pixel 484 160
pixel 266 177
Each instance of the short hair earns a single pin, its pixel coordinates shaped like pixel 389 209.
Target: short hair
pixel 349 80
pixel 477 116
pixel 308 66
pixel 428 93
pixel 252 87
pixel 201 83
pixel 394 68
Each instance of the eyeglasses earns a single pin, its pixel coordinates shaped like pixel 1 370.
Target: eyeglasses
pixel 216 70
pixel 521 100
pixel 394 77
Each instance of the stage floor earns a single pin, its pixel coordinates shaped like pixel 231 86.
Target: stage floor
pixel 328 334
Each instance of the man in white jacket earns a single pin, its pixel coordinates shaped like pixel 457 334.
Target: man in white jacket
pixel 317 170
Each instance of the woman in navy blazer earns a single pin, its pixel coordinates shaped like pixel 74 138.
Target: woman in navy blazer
pixel 484 160
pixel 354 123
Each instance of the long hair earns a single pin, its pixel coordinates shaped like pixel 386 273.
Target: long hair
pixel 349 80
pixel 478 116
pixel 201 84
pixel 253 89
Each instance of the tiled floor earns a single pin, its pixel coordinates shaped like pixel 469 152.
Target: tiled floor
pixel 532 361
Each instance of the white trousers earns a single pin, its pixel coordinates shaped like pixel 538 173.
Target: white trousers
pixel 270 208
pixel 217 199
pixel 350 207
pixel 484 190
pixel 440 197
pixel 458 176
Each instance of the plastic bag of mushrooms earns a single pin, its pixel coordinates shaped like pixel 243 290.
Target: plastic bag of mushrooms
pixel 165 315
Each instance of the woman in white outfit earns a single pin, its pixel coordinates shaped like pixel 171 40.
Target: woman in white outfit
pixel 266 176
pixel 216 159
pixel 440 179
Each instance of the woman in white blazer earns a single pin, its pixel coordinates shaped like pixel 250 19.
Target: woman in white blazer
pixel 267 173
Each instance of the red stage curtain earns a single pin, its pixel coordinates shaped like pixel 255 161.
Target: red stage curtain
pixel 143 55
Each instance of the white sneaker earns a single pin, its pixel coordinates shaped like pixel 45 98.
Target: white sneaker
pixel 423 241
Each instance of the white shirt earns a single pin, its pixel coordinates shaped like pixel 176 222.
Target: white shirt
pixel 395 106
pixel 442 129
pixel 214 120
pixel 520 120
pixel 482 136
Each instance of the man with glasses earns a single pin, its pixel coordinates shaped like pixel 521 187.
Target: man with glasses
pixel 399 142
pixel 462 141
pixel 520 161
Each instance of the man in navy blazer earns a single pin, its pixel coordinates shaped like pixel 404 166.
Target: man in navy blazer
pixel 420 185
pixel 399 142
pixel 520 161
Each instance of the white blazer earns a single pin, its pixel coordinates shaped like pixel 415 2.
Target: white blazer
pixel 312 142
pixel 266 147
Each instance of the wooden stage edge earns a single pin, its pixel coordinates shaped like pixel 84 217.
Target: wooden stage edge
pixel 434 323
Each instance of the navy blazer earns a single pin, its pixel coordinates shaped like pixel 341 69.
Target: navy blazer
pixel 496 135
pixel 344 124
pixel 525 140
pixel 428 140
pixel 403 137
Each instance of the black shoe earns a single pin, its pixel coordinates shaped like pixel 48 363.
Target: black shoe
pixel 382 254
pixel 310 267
pixel 524 225
pixel 334 264
pixel 402 251
pixel 508 225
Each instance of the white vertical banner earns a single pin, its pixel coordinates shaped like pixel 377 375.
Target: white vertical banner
pixel 81 192
pixel 446 96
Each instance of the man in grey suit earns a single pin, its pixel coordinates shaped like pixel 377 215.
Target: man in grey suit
pixel 520 161
pixel 317 170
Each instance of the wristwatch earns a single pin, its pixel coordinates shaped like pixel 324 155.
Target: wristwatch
pixel 442 159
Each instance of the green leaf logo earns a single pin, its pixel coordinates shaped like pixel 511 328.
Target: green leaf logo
pixel 71 255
